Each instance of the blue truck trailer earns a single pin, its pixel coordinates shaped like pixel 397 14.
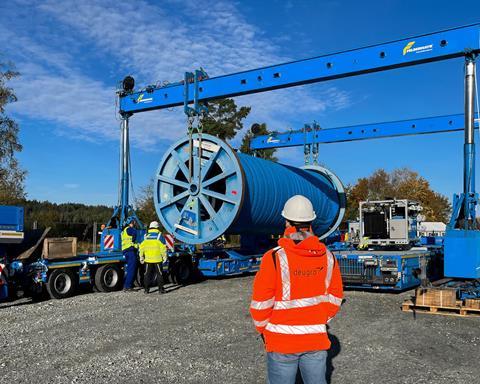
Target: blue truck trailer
pixel 26 266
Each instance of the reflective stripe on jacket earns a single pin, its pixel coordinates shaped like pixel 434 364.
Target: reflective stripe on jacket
pixel 152 248
pixel 127 240
pixel 294 298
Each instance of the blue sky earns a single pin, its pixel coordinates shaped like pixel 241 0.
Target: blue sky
pixel 71 54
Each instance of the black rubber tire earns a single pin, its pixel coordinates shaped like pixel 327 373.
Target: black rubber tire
pixel 109 278
pixel 62 283
pixel 183 271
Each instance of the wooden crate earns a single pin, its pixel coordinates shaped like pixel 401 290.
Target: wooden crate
pixel 59 248
pixel 441 297
pixel 472 303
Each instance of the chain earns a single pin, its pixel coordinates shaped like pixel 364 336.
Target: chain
pixel 194 124
pixel 306 147
pixel 315 144
pixel 200 145
pixel 306 152
pixel 315 153
pixel 190 128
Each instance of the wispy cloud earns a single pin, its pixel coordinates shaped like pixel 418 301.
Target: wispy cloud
pixel 64 49
pixel 71 186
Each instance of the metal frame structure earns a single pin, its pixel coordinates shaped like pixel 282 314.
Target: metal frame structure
pixel 317 135
pixel 444 45
pixel 124 210
pixel 448 44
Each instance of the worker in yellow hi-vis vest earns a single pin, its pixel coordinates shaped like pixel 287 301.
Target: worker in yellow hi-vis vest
pixel 153 253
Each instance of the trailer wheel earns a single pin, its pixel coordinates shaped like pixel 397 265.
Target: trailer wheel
pixel 108 278
pixel 61 283
pixel 182 271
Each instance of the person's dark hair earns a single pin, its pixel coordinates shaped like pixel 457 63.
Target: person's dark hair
pixel 300 226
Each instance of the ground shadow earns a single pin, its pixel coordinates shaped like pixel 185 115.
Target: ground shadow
pixel 375 290
pixel 332 353
pixel 9 304
pixel 167 289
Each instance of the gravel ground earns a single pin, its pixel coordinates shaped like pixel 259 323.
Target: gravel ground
pixel 203 334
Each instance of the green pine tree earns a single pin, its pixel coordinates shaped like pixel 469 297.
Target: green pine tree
pixel 261 129
pixel 12 177
pixel 224 118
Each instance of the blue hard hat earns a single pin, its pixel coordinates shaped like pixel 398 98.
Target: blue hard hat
pixel 129 220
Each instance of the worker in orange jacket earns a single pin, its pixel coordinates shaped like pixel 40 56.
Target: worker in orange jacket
pixel 296 292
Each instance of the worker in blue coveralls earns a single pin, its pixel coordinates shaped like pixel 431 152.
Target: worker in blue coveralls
pixel 129 249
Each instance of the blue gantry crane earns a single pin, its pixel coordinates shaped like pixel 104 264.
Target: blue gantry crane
pixel 463 237
pixel 189 180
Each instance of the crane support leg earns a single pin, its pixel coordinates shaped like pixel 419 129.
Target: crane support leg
pixel 470 200
pixel 125 155
pixel 462 240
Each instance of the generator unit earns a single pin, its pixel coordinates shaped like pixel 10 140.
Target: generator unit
pixel 389 223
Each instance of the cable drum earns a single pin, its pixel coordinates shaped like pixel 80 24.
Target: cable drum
pixel 228 192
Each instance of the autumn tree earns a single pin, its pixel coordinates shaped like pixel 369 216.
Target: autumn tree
pixel 145 204
pixel 402 183
pixel 261 129
pixel 12 177
pixel 224 118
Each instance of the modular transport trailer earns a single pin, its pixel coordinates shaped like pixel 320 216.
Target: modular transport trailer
pixel 63 278
pixel 32 263
pixel 389 255
pixel 185 262
pixel 60 278
pixel 217 262
pixel 385 270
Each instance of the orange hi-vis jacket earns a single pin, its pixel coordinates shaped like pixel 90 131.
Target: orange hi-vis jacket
pixel 295 297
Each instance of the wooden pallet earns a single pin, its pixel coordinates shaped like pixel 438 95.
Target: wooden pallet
pixel 459 310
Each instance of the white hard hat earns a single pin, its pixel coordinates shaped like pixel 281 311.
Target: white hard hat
pixel 154 224
pixel 299 209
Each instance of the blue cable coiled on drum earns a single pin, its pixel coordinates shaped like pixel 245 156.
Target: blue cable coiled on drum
pixel 269 185
pixel 246 196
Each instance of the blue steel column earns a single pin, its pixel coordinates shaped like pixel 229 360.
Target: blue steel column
pixel 462 239
pixel 124 170
pixel 469 146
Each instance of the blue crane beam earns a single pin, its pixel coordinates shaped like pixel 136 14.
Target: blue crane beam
pixel 431 47
pixel 439 124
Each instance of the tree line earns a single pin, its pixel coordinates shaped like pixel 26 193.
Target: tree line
pixel 402 183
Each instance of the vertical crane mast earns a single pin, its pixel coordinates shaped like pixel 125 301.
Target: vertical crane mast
pixel 125 180
pixel 470 198
pixel 124 210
